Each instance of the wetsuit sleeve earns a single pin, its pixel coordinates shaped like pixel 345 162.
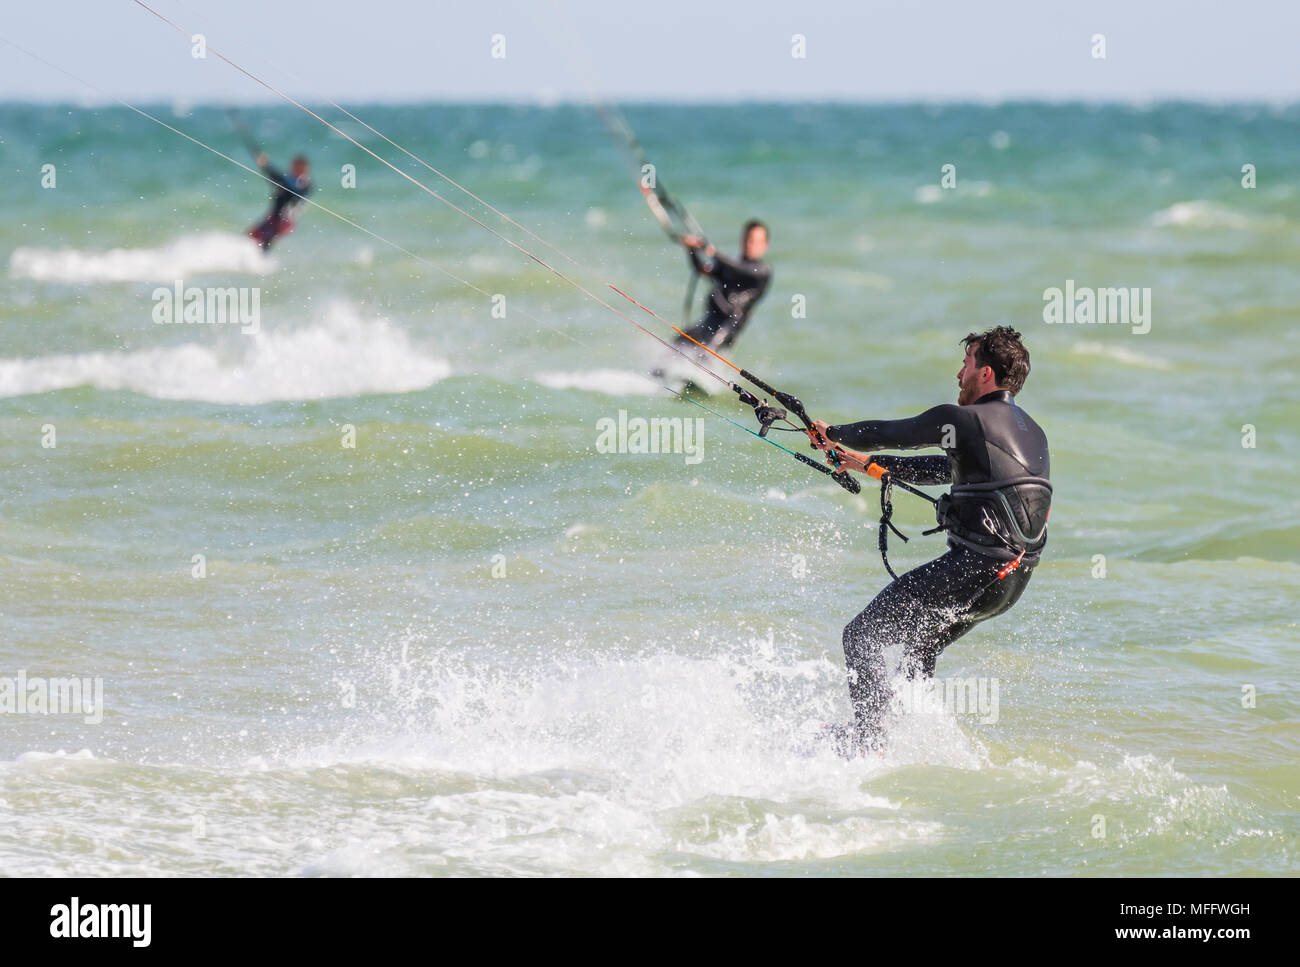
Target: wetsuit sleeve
pixel 700 266
pixel 275 174
pixel 931 429
pixel 927 471
pixel 734 273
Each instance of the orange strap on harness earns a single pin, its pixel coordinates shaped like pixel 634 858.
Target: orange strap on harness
pixel 1011 566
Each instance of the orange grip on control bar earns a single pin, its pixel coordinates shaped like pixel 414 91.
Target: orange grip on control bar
pixel 876 470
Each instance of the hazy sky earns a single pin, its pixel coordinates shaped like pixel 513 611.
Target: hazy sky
pixel 364 50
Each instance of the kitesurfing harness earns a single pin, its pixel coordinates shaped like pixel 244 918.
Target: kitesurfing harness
pixel 996 522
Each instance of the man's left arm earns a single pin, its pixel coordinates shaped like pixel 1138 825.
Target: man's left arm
pixel 927 471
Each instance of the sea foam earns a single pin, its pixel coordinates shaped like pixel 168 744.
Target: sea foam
pixel 186 256
pixel 341 354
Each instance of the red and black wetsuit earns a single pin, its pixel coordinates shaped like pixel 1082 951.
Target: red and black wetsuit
pixel 996 517
pixel 285 197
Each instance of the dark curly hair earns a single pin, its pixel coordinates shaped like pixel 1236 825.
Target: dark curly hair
pixel 1001 348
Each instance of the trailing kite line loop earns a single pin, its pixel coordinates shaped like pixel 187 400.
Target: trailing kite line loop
pixel 887 485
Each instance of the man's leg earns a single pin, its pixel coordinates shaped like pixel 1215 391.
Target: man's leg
pixel 925 610
pixel 264 231
pixel 727 334
pixel 996 596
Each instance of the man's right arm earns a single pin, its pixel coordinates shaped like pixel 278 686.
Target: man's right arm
pixel 272 172
pixel 936 427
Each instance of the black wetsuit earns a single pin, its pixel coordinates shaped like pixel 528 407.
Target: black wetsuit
pixel 285 197
pixel 738 284
pixel 996 519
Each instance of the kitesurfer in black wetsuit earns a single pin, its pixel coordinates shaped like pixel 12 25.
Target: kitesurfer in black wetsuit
pixel 285 197
pixel 996 458
pixel 738 284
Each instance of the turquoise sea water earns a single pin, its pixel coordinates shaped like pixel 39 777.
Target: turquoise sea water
pixel 475 644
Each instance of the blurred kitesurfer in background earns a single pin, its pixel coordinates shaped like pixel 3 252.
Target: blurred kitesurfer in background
pixel 738 285
pixel 286 195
